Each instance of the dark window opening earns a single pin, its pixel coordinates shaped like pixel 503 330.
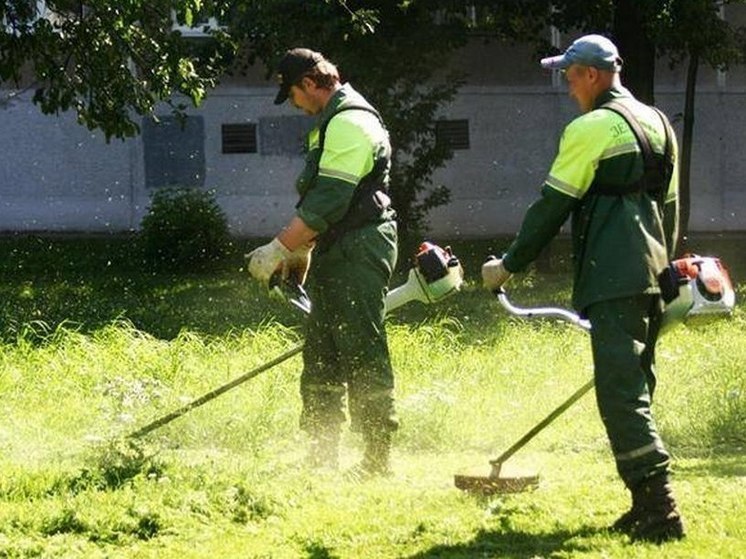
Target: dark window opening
pixel 452 133
pixel 239 138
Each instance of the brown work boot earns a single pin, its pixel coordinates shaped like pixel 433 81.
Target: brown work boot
pixel 657 518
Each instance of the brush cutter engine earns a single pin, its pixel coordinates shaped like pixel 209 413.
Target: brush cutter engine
pixel 695 287
pixel 436 274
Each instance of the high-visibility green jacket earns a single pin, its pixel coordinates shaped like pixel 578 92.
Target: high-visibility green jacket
pixel 620 242
pixel 355 145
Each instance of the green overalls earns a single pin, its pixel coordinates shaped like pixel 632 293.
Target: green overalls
pixel 342 190
pixel 621 241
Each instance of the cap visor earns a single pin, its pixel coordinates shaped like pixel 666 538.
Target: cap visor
pixel 554 62
pixel 282 96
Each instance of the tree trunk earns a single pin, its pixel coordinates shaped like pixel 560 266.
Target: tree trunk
pixel 636 49
pixel 685 160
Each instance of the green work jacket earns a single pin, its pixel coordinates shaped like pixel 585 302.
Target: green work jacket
pixel 620 242
pixel 355 143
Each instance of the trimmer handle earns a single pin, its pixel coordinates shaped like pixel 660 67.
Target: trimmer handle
pixel 555 312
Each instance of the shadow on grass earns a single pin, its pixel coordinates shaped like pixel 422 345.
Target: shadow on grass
pixel 514 545
pixel 724 463
pixel 85 283
pixel 318 551
pixel 89 282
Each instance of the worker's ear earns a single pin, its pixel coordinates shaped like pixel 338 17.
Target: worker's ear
pixel 307 84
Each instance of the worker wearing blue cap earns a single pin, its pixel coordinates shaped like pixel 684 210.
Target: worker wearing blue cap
pixel 615 177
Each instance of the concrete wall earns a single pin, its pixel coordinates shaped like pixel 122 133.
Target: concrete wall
pixel 56 175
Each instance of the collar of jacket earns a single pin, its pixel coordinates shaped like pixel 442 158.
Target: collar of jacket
pixel 612 93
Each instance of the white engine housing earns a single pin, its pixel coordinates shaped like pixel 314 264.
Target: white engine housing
pixel 704 290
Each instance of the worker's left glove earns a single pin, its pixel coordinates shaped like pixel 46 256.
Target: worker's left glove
pixel 263 261
pixel 494 274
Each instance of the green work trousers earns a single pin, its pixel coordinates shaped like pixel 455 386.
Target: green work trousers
pixel 624 332
pixel 346 350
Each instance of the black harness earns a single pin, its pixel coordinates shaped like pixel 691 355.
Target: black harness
pixel 657 168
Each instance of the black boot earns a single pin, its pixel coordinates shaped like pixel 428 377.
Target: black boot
pixel 656 517
pixel 626 522
pixel 376 460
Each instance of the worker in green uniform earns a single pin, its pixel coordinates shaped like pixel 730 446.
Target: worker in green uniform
pixel 345 219
pixel 624 223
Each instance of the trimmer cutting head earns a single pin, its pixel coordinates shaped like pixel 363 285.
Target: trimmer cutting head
pixel 495 483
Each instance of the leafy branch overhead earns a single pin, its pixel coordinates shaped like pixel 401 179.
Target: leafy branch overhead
pixel 112 62
pixel 107 60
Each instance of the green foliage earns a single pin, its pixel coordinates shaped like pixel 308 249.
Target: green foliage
pixel 108 61
pixel 677 28
pixel 112 62
pixel 184 228
pixel 88 284
pixel 666 21
pixel 115 462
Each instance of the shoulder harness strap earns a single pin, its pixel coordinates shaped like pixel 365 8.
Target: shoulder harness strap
pixel 656 170
pixel 325 124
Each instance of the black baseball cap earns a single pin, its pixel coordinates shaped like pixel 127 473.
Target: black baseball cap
pixel 293 66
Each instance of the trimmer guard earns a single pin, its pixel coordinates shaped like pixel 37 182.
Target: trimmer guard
pixel 490 485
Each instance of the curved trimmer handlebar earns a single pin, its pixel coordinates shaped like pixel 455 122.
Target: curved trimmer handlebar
pixel 555 312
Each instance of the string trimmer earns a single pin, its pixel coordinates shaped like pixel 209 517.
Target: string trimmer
pixel 436 274
pixel 495 482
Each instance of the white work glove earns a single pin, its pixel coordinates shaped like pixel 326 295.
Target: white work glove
pixel 263 261
pixel 494 274
pixel 295 265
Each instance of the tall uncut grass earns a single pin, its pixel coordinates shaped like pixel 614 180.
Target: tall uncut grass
pixel 228 480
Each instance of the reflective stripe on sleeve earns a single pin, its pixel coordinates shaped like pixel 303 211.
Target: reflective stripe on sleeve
pixel 619 150
pixel 337 174
pixel 563 187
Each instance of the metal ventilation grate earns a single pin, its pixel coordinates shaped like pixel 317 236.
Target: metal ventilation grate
pixel 239 138
pixel 452 133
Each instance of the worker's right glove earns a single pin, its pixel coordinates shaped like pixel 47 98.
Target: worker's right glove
pixel 494 274
pixel 263 261
pixel 295 265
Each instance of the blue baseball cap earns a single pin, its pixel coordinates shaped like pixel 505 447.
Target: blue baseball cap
pixel 589 50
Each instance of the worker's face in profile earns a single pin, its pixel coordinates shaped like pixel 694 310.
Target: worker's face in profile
pixel 304 96
pixel 581 82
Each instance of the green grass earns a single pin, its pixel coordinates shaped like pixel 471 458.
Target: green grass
pixel 96 345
